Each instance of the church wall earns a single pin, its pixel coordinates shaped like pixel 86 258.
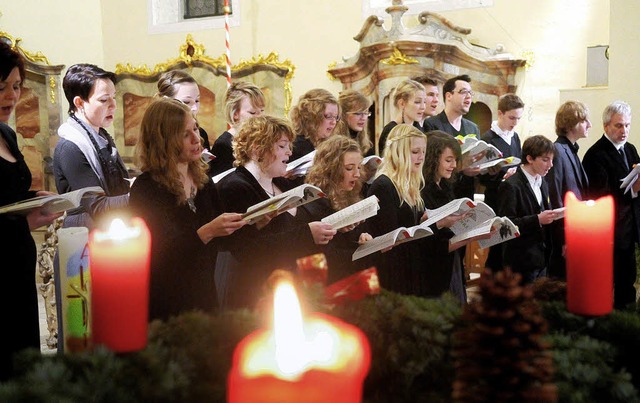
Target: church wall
pixel 315 33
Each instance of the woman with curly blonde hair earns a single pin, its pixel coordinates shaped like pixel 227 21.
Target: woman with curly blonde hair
pixel 261 148
pixel 180 206
pixel 336 170
pixel 410 103
pixel 397 185
pixel 314 119
pixel 353 121
pixel 242 101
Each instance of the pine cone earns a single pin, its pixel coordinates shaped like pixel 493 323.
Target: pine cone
pixel 499 354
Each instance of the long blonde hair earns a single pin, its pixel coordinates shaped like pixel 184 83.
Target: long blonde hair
pixel 396 165
pixel 327 171
pixel 160 145
pixel 354 101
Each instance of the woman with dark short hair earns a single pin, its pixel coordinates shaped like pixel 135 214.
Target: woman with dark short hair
pixel 86 154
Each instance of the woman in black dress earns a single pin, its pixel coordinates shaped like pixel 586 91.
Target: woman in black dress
pixel 18 250
pixel 336 170
pixel 241 101
pixel 397 186
pixel 446 271
pixel 262 149
pixel 180 205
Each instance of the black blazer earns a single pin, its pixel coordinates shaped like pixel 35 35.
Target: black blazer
pixel 604 167
pixel 516 200
pixel 567 174
pixel 492 182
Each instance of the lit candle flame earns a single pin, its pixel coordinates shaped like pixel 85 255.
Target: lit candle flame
pixel 118 231
pixel 288 330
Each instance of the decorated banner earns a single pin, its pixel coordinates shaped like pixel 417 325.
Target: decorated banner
pixel 74 286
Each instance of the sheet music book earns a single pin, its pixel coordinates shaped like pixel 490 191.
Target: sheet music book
pixel 498 163
pixel 295 197
pixel 475 213
pixel 630 179
pixel 393 238
pixel 301 165
pixel 53 203
pixel 504 230
pixel 371 165
pixel 357 212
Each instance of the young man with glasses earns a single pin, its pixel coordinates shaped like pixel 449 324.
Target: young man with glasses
pixel 457 97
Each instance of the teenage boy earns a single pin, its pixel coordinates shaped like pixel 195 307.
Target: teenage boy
pixel 504 137
pixel 524 198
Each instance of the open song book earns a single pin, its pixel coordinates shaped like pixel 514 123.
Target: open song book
pixel 300 166
pixel 630 179
pixel 476 151
pixel 393 238
pixel 474 213
pixel 52 204
pixel 357 212
pixel 277 204
pixel 501 228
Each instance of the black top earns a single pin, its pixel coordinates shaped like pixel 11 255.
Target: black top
pixel 258 251
pixel 491 182
pixel 18 250
pixel 400 268
pixel 205 138
pixel 340 249
pixel 223 150
pixel 301 147
pixel 567 173
pixel 182 266
pixel 442 263
pixel 72 172
pixel 382 142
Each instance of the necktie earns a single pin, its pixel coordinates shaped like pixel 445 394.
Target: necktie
pixel 624 157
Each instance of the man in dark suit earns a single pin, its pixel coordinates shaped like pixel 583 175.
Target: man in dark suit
pixel 606 162
pixel 503 136
pixel 524 198
pixel 567 173
pixel 457 96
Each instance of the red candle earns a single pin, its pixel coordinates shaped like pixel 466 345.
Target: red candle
pixel 319 359
pixel 589 254
pixel 120 285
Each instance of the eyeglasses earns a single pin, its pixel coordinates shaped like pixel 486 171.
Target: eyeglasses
pixel 360 114
pixel 464 93
pixel 329 117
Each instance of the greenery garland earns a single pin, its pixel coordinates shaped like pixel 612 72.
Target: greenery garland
pixel 188 357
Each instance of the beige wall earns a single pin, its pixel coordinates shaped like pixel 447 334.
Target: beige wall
pixel 314 33
pixel 66 31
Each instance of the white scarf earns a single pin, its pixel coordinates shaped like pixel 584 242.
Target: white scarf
pixel 72 132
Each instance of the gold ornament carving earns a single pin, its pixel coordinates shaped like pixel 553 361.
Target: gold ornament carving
pixel 529 57
pixel 397 58
pixel 52 90
pixel 36 57
pixel 331 66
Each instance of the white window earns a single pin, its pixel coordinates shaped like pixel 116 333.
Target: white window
pixel 166 16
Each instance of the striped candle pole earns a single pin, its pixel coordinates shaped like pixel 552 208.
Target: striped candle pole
pixel 227 11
